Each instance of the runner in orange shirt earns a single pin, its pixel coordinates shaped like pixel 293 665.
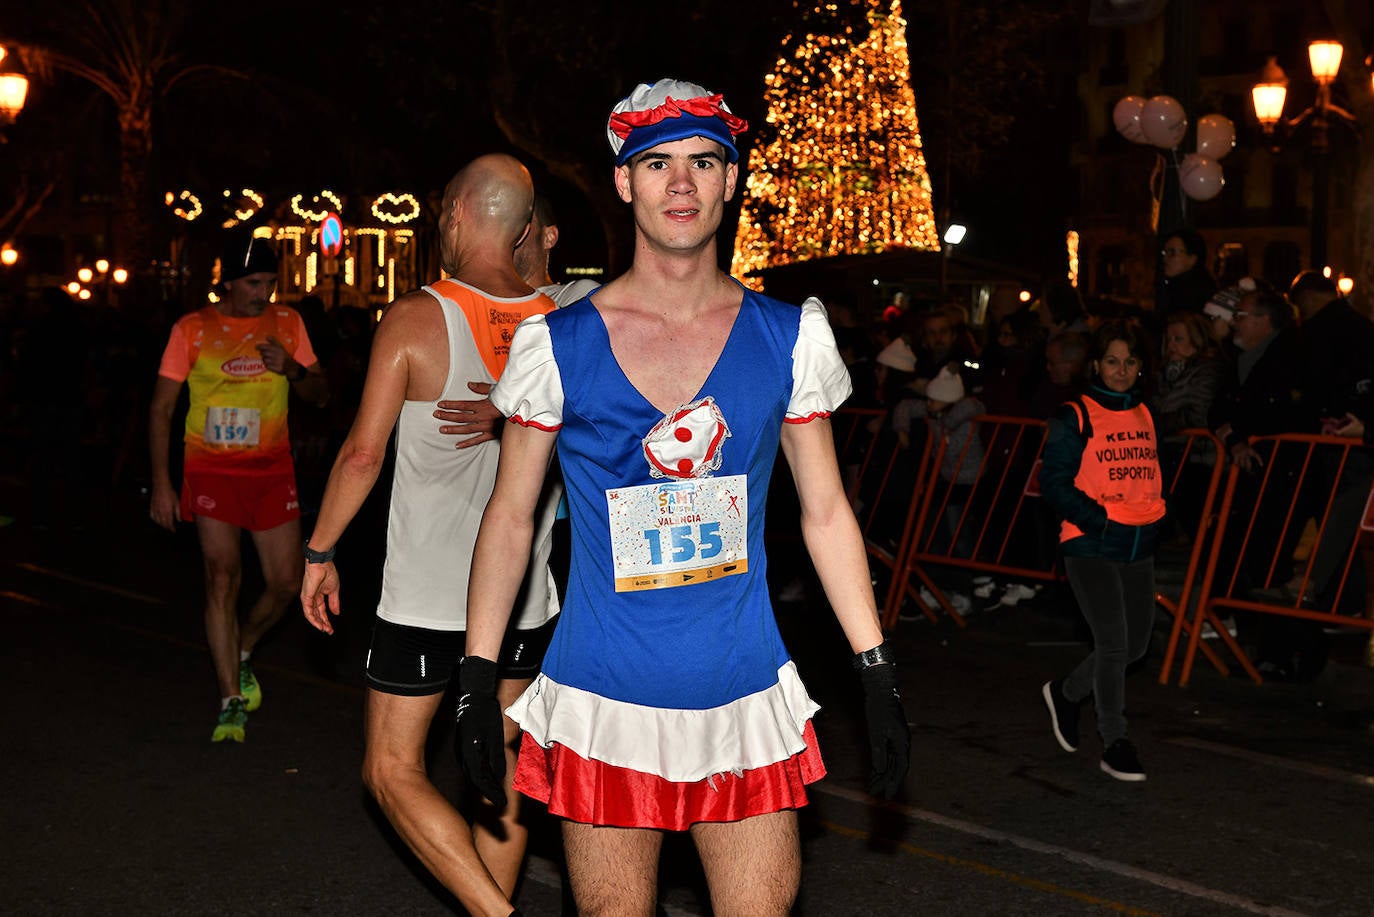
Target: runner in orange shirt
pixel 240 357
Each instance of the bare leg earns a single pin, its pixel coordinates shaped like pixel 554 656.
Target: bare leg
pixel 501 843
pixel 394 770
pixel 613 871
pixel 752 866
pixel 219 548
pixel 279 551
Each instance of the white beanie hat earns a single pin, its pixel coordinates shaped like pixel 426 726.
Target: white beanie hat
pixel 946 387
pixel 898 356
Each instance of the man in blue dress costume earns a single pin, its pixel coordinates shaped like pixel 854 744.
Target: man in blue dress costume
pixel 667 701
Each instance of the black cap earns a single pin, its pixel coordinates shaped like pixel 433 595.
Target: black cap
pixel 243 255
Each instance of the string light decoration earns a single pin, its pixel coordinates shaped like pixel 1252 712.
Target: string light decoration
pixel 1071 242
pixel 837 168
pixel 314 216
pixel 245 204
pixel 396 208
pixel 188 212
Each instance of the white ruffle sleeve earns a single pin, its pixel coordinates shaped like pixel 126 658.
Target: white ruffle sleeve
pixel 820 380
pixel 530 390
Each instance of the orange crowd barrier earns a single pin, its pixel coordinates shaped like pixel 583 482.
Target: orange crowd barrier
pixel 1306 481
pixel 996 524
pixel 1199 449
pixel 883 481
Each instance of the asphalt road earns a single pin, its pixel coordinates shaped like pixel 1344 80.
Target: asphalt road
pixel 117 803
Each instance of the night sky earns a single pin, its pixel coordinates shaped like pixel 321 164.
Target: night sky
pixel 366 98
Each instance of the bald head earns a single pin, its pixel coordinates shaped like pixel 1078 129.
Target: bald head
pixel 496 195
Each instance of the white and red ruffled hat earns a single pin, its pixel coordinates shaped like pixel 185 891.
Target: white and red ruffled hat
pixel 671 110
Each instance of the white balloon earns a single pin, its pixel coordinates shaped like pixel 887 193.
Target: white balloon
pixel 1126 117
pixel 1216 135
pixel 1200 177
pixel 1164 122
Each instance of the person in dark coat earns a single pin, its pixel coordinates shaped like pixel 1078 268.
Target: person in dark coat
pixel 1186 283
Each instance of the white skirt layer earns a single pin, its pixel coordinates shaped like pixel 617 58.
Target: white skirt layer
pixel 678 745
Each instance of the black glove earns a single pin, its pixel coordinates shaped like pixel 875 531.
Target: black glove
pixel 479 741
pixel 889 737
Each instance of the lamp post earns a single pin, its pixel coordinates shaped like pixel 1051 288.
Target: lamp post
pixel 1269 94
pixel 14 89
pixel 954 234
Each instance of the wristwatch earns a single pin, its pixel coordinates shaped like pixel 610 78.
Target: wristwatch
pixel 317 557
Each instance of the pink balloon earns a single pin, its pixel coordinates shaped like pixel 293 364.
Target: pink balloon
pixel 1216 136
pixel 1200 177
pixel 1126 117
pixel 1164 122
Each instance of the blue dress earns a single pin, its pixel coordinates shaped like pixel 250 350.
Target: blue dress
pixel 667 660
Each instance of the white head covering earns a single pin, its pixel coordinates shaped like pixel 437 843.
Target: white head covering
pixel 946 387
pixel 898 355
pixel 671 110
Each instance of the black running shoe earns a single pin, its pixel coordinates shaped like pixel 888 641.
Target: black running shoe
pixel 1063 715
pixel 1121 762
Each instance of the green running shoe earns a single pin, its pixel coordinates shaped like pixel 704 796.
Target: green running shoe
pixel 232 719
pixel 249 687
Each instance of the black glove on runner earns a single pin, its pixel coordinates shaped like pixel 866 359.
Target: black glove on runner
pixel 889 737
pixel 479 740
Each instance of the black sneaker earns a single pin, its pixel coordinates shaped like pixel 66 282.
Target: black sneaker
pixel 1121 762
pixel 1063 715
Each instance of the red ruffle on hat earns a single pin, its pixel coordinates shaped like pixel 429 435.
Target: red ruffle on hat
pixel 671 110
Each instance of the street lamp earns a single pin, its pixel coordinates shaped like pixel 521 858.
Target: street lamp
pixel 1269 94
pixel 100 278
pixel 14 88
pixel 954 234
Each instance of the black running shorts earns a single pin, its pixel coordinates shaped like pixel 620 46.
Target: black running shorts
pixel 417 661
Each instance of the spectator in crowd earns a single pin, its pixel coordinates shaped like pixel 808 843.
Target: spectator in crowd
pixel 1258 399
pixel 1066 357
pixel 1336 350
pixel 1335 373
pixel 1186 283
pixel 1219 311
pixel 948 413
pixel 1188 382
pixel 1101 474
pixel 944 341
pixel 1183 393
pixel 1061 310
pixel 895 315
pixel 1012 364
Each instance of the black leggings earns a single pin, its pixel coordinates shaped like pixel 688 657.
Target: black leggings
pixel 1118 601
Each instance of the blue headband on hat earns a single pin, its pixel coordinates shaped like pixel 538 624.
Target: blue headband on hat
pixel 671 110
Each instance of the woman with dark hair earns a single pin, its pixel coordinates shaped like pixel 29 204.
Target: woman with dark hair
pixel 1101 475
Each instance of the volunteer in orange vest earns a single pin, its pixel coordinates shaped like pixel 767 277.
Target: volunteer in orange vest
pixel 1101 475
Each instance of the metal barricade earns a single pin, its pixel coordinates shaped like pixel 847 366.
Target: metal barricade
pixel 883 481
pixel 1305 481
pixel 995 524
pixel 1199 449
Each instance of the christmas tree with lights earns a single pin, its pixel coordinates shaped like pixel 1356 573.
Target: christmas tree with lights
pixel 837 168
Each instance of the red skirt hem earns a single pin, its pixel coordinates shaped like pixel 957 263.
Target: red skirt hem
pixel 596 793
